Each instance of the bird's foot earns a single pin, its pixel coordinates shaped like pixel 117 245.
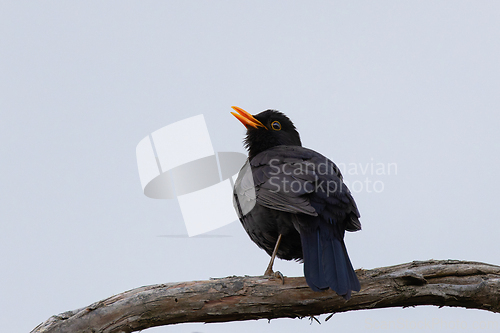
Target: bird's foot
pixel 277 275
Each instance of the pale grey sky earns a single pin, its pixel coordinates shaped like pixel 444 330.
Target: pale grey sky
pixel 366 82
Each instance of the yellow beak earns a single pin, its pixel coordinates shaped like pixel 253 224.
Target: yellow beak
pixel 246 118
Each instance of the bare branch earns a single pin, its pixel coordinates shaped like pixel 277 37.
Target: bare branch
pixel 441 283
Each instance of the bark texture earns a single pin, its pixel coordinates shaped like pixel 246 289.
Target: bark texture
pixel 441 283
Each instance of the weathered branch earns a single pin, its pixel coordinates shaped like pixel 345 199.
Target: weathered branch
pixel 441 283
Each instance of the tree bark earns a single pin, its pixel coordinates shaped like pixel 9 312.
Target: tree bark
pixel 440 283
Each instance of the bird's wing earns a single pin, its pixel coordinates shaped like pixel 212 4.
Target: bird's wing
pixel 299 180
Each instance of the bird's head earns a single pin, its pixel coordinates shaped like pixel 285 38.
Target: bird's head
pixel 267 129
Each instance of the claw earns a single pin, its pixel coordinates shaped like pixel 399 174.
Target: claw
pixel 274 275
pixel 278 275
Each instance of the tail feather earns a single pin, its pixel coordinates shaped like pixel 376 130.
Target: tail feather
pixel 327 264
pixel 336 267
pixel 312 252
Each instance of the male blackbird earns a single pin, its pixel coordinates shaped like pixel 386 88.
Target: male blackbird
pixel 293 203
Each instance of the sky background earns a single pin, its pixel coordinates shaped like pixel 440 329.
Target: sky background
pixel 365 82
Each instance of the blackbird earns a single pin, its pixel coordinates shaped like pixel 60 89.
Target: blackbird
pixel 293 203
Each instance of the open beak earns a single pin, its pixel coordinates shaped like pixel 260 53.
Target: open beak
pixel 246 118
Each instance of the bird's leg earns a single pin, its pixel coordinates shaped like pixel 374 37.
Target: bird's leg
pixel 269 270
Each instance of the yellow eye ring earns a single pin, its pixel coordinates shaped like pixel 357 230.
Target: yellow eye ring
pixel 275 125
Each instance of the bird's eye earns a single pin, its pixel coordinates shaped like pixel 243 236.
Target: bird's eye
pixel 276 125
